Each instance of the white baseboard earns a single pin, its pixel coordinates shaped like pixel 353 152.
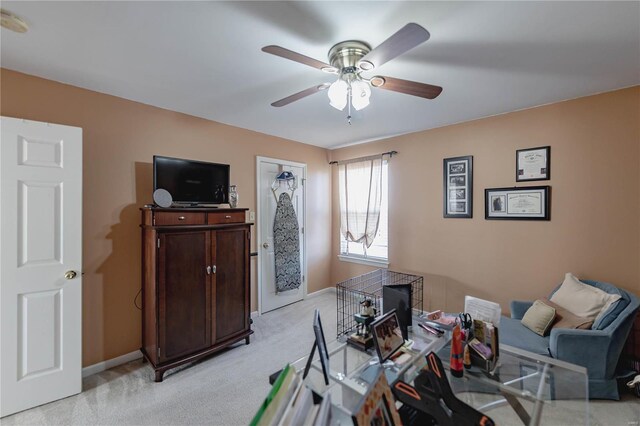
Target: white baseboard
pixel 255 314
pixel 131 356
pixel 110 363
pixel 323 291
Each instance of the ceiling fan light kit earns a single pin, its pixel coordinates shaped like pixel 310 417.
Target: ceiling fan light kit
pixel 348 59
pixel 338 94
pixel 350 88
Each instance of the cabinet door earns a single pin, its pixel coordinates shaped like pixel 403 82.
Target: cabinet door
pixel 231 288
pixel 184 293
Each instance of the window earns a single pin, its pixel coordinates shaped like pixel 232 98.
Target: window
pixel 378 253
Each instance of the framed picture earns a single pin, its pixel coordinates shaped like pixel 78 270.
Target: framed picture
pixel 458 187
pixel 321 344
pixel 377 407
pixel 524 203
pixel 533 164
pixel 387 336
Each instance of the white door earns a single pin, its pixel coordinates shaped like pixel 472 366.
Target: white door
pixel 40 243
pixel 268 169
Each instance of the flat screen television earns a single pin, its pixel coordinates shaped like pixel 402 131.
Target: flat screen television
pixel 191 182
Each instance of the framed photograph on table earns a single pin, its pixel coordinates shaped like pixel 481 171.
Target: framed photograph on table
pixel 533 164
pixel 524 203
pixel 378 406
pixel 458 187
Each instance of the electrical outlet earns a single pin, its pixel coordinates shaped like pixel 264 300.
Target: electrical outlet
pixel 252 215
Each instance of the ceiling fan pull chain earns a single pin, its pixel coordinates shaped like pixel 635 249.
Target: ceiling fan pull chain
pixel 349 104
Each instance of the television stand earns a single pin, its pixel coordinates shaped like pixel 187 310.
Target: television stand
pixel 195 283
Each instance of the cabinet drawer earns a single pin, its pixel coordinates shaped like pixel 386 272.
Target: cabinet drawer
pixel 179 218
pixel 225 217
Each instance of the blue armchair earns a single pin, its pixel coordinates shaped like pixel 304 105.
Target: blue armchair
pixel 597 349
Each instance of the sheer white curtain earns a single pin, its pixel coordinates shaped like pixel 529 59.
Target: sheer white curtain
pixel 360 183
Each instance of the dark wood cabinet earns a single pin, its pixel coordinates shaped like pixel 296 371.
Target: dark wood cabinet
pixel 195 284
pixel 230 298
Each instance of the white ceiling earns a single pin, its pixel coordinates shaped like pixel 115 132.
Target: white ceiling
pixel 204 58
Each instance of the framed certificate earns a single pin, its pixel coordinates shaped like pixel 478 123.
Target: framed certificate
pixel 533 164
pixel 525 203
pixel 458 187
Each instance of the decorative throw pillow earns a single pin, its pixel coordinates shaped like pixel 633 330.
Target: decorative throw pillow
pixel 565 319
pixel 582 299
pixel 539 317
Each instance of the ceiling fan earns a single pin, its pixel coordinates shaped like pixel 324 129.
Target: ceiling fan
pixel 349 59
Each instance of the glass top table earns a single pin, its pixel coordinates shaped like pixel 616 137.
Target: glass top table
pixel 524 388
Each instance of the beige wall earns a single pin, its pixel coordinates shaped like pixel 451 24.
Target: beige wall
pixel 120 138
pixel 594 230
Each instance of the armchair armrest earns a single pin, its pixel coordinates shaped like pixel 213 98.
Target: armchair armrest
pixel 588 348
pixel 518 308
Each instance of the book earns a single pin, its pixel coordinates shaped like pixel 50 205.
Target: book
pixel 288 411
pixel 324 412
pixel 446 321
pixel 481 349
pixel 479 331
pixel 302 407
pixel 400 358
pixel 273 406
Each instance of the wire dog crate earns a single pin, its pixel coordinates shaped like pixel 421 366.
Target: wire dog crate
pixel 369 286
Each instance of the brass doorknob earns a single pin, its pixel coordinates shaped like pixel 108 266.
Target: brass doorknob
pixel 70 275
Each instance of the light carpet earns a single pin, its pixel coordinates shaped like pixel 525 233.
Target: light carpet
pixel 227 388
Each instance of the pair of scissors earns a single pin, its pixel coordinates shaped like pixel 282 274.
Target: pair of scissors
pixel 465 321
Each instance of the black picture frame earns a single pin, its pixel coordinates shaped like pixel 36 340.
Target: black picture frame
pixel 533 158
pixel 457 187
pixel 323 352
pixel 387 335
pixel 398 297
pixel 518 203
pixel 322 346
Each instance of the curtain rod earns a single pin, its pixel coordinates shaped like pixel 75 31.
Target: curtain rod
pixel 389 153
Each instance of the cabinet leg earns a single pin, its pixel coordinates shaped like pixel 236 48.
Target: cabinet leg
pixel 246 340
pixel 159 375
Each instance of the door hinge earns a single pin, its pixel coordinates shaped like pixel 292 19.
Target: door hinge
pixel 302 229
pixel 158 242
pixel 303 181
pixel 249 235
pixel 158 352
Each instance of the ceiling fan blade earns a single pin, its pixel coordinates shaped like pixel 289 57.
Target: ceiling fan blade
pixel 303 94
pixel 405 86
pixel 298 57
pixel 407 37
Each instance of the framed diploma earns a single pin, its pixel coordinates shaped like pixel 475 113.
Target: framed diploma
pixel 533 164
pixel 458 187
pixel 524 203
